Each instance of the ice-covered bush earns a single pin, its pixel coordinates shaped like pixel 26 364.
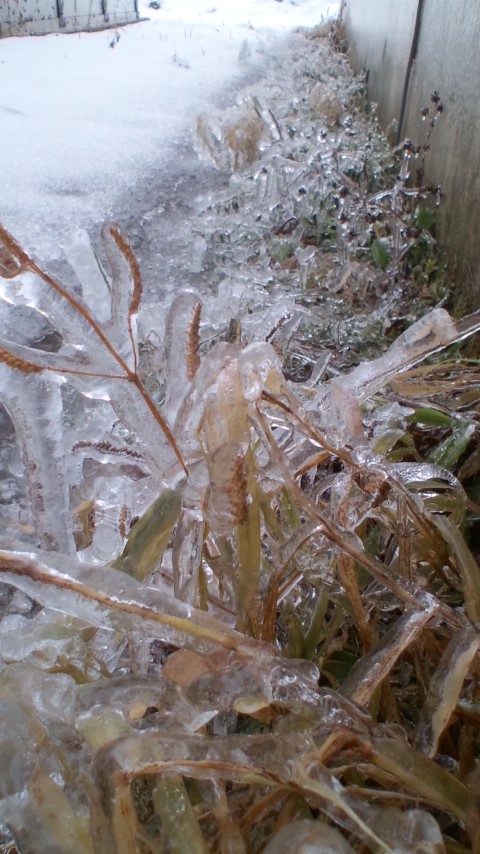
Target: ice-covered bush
pixel 166 692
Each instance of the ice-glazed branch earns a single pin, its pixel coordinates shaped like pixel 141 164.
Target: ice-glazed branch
pixel 336 406
pixel 29 360
pixel 130 375
pixel 124 306
pixel 108 598
pixel 80 308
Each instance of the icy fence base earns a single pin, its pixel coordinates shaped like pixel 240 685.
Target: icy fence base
pixel 38 17
pixel 399 45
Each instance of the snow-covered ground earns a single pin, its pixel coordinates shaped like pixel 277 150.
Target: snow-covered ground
pixel 86 119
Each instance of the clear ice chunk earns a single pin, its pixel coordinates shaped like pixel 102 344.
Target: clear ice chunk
pixel 407 832
pixel 86 265
pixel 307 837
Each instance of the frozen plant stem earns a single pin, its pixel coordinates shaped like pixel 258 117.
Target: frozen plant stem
pixel 130 376
pixel 25 263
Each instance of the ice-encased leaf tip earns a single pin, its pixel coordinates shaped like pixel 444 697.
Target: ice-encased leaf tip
pixel 127 252
pixel 13 259
pixel 22 365
pixel 126 291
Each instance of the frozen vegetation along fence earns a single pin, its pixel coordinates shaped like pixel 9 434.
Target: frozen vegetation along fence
pixel 409 50
pixel 36 17
pixel 239 601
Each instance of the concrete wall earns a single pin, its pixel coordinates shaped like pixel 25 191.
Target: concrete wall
pixel 38 17
pixel 410 49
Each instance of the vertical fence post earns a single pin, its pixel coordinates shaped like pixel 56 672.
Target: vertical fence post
pixel 408 73
pixel 61 20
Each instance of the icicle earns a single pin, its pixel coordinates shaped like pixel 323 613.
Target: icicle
pixel 187 557
pixel 95 286
pixel 34 403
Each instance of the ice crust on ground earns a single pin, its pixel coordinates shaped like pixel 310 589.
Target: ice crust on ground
pixel 85 125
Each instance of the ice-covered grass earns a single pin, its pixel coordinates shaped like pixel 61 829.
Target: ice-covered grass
pixel 290 546
pixel 241 598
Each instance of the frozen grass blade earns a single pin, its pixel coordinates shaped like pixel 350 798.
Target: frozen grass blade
pixel 467 565
pixel 372 669
pixel 61 823
pixel 150 535
pixel 180 828
pixel 248 545
pixel 421 776
pixel 256 760
pixel 347 571
pixel 328 790
pixel 444 690
pixel 114 601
